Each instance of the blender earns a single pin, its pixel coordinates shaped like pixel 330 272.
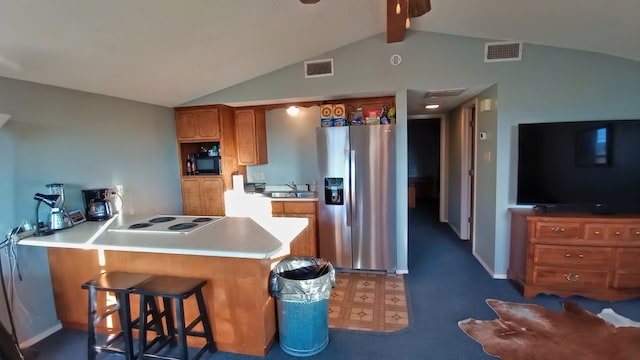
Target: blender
pixel 58 217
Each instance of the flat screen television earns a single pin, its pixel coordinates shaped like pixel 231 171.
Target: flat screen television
pixel 580 166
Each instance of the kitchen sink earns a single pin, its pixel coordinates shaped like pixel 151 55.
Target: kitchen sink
pixel 291 194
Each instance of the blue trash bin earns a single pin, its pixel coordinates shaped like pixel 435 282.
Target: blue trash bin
pixel 302 288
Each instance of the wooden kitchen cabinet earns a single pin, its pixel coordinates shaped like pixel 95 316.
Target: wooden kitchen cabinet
pixel 251 136
pixel 307 243
pixel 203 195
pixel 197 124
pixel 575 254
pixel 206 126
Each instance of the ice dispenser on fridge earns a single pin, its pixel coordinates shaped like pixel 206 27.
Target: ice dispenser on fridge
pixel 334 191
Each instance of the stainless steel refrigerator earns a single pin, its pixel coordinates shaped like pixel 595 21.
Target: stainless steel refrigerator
pixel 356 200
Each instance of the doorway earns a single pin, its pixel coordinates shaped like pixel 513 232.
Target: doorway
pixel 423 142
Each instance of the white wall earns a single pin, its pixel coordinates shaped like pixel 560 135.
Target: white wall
pixel 291 147
pixel 549 84
pixel 81 140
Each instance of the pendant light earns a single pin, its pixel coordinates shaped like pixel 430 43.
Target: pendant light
pixel 407 24
pixel 398 9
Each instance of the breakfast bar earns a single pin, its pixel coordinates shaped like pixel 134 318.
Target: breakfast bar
pixel 234 254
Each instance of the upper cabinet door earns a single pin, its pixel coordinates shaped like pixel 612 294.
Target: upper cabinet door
pixel 208 124
pixel 251 135
pixel 199 124
pixel 186 125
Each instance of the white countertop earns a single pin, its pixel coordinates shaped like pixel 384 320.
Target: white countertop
pixel 241 237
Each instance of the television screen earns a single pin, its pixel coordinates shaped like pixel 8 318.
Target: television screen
pixel 586 165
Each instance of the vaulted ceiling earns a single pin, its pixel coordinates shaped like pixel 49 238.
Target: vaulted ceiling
pixel 168 52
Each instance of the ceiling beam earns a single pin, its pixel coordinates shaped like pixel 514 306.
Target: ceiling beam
pixel 396 22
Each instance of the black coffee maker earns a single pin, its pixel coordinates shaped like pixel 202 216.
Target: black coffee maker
pixel 98 204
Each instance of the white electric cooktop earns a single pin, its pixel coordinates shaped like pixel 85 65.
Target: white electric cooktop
pixel 168 224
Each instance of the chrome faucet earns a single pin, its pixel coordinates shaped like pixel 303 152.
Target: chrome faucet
pixel 292 186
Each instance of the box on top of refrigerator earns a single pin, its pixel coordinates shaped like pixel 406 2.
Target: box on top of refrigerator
pixel 326 115
pixel 339 115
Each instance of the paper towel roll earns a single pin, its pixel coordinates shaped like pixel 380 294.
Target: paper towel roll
pixel 238 182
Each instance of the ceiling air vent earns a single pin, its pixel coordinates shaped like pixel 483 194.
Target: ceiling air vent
pixel 318 68
pixel 502 51
pixel 444 93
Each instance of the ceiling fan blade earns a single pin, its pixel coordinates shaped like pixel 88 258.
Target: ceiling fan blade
pixel 396 22
pixel 419 7
pixel 309 1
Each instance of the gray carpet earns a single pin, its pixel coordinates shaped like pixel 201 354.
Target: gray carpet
pixel 445 284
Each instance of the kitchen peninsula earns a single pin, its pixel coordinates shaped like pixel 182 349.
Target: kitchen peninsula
pixel 234 254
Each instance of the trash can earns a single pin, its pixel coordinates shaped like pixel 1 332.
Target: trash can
pixel 302 288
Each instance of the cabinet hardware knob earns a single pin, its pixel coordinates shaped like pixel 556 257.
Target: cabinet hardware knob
pixel 637 232
pixel 572 277
pixel 558 229
pixel 597 232
pixel 618 233
pixel 580 256
pixel 567 255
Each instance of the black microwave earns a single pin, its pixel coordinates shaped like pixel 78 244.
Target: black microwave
pixel 207 165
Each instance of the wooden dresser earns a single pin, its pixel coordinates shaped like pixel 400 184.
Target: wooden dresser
pixel 564 254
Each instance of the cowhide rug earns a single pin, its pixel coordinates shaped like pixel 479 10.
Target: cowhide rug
pixel 531 332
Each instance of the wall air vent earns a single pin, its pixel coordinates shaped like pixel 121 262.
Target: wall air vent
pixel 502 51
pixel 318 68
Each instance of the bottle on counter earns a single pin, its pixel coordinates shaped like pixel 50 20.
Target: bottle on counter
pixel 194 169
pixel 189 165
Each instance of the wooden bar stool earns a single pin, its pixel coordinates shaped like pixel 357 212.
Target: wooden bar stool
pixel 176 290
pixel 121 284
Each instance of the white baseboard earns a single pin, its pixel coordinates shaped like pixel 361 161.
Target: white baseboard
pixel 489 269
pixel 455 230
pixel 41 336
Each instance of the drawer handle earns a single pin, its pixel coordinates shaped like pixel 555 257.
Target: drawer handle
pixel 597 232
pixel 568 255
pixel 618 233
pixel 558 229
pixel 572 277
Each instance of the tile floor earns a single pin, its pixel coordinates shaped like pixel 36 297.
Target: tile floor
pixel 368 302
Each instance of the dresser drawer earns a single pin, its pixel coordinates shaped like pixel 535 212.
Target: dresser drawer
pixel 628 259
pixel 570 277
pixel 611 232
pixel 623 279
pixel 627 262
pixel 559 255
pixel 560 230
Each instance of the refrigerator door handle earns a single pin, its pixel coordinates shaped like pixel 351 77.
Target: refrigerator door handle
pixel 352 186
pixel 347 186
